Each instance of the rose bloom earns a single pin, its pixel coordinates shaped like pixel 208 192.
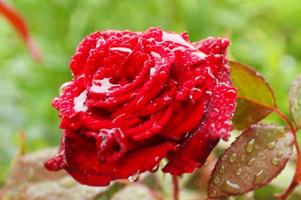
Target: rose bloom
pixel 138 97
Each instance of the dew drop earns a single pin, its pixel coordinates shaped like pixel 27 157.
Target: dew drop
pixel 155 169
pixel 79 102
pixel 230 187
pixel 63 87
pixel 199 54
pixel 135 177
pixel 250 146
pixel 156 54
pixel 233 158
pixel 251 161
pixel 216 180
pixel 103 86
pixel 122 49
pixel 222 169
pixel 275 161
pixel 259 177
pixel 271 145
pixel 238 172
pixel 208 92
pixel 243 157
pixel 152 71
pixel 175 38
pixel 280 153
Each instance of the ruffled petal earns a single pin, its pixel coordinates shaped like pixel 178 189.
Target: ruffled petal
pixel 83 164
pixel 216 124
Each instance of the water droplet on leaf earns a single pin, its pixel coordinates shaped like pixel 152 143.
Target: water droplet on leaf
pixel 275 161
pixel 216 180
pixel 251 161
pixel 233 158
pixel 250 146
pixel 259 177
pixel 243 157
pixel 222 169
pixel 238 172
pixel 230 187
pixel 271 145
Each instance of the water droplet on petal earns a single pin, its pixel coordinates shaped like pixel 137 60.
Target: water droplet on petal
pixel 175 38
pixel 103 86
pixel 135 177
pixel 122 49
pixel 63 87
pixel 155 169
pixel 79 102
pixel 152 71
pixel 208 92
pixel 250 146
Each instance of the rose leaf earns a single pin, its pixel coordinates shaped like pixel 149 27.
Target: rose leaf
pixel 257 156
pixel 295 100
pixel 255 96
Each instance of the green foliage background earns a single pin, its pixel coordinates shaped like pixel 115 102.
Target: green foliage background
pixel 265 34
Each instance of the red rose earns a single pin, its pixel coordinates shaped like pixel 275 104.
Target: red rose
pixel 137 98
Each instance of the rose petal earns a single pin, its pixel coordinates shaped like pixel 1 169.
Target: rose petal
pixel 196 147
pixel 84 166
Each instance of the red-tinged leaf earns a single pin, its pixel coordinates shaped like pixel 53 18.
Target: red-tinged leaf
pixel 20 26
pixel 255 96
pixel 29 180
pixel 295 100
pixel 295 109
pixel 252 161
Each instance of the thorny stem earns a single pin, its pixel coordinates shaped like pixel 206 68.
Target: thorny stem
pixel 294 182
pixel 176 189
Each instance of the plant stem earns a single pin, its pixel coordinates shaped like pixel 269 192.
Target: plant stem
pixel 176 189
pixel 288 191
pixel 294 182
pixel 286 119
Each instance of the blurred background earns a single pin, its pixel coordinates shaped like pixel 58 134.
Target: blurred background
pixel 265 34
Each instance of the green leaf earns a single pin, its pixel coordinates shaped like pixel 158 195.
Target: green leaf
pixel 255 96
pixel 295 100
pixel 252 161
